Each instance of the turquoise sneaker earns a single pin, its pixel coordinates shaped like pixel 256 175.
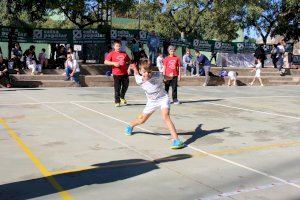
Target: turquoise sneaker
pixel 128 130
pixel 177 144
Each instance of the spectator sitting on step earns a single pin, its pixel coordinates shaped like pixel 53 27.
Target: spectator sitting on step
pixel 61 56
pixel 187 61
pixel 43 58
pixel 31 64
pixel 16 55
pixel 72 70
pixel 232 77
pixel 4 73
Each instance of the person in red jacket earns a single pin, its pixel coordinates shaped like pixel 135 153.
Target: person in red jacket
pixel 119 61
pixel 172 66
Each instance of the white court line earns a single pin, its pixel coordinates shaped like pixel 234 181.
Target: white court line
pixel 135 150
pixel 65 102
pixel 142 100
pixel 242 97
pixel 91 128
pixel 250 110
pixel 246 190
pixel 202 151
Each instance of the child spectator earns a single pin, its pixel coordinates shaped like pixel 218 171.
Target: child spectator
pixel 159 62
pixel 43 58
pixel 232 77
pixel 257 70
pixel 31 64
pixel 172 66
pixel 152 84
pixel 72 70
pixel 119 60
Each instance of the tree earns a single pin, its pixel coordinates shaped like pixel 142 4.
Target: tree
pixel 289 20
pixel 204 19
pixel 270 17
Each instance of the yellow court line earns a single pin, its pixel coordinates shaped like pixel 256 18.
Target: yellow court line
pixel 39 165
pixel 248 149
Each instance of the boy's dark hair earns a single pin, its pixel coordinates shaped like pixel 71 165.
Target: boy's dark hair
pixel 236 73
pixel 197 51
pixel 43 49
pixel 32 47
pixel 145 63
pixel 117 42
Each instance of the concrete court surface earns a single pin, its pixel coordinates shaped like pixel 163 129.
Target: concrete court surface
pixel 69 143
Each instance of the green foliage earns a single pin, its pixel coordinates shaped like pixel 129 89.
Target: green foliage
pixel 194 18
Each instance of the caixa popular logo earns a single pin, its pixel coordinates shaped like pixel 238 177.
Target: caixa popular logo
pixel 240 46
pixel 143 35
pixel 77 34
pixel 113 34
pixel 37 34
pixel 218 45
pixel 196 43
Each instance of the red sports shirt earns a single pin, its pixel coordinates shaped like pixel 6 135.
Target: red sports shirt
pixel 122 58
pixel 172 65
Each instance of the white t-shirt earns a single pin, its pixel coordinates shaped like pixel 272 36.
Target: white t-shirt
pixel 72 64
pixel 232 75
pixel 159 63
pixel 154 87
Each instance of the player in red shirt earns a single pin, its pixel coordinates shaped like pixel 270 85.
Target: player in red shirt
pixel 119 61
pixel 172 66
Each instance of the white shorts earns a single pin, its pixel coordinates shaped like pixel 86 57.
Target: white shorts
pixel 152 105
pixel 257 73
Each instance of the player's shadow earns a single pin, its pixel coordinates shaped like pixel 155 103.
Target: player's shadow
pixel 200 101
pixel 101 173
pixel 195 135
pixel 199 133
pixel 136 104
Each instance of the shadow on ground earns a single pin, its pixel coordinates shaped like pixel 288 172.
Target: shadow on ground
pixel 198 133
pixel 103 173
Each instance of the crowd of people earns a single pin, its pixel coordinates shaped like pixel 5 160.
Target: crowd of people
pixel 20 60
pixel 193 65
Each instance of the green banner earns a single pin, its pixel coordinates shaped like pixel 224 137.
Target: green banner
pixel 244 47
pixel 97 36
pixel 61 36
pixel 22 34
pixel 203 45
pixel 224 47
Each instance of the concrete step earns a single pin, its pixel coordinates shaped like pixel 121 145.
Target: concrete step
pixel 275 83
pixel 43 83
pixel 101 81
pixel 26 77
